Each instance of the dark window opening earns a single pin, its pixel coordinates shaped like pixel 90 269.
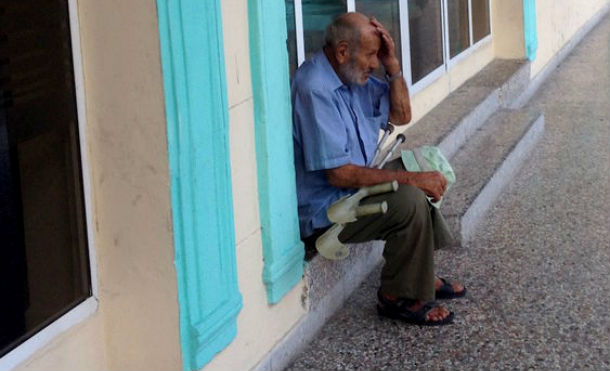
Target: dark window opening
pixel 44 264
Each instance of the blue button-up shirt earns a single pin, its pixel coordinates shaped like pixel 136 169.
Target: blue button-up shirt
pixel 333 125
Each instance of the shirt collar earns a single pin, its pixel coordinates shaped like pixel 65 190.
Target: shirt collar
pixel 334 82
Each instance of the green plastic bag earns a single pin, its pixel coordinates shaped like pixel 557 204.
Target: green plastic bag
pixel 428 158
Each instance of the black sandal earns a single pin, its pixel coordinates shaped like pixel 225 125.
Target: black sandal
pixel 400 310
pixel 446 291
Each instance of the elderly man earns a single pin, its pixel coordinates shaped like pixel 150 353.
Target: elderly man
pixel 338 110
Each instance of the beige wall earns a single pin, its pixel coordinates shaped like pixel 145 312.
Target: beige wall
pixel 507 29
pixel 80 348
pixel 557 22
pixel 259 325
pixel 136 326
pixel 130 181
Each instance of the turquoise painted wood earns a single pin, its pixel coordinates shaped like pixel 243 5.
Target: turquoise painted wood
pixel 529 29
pixel 283 251
pixel 198 143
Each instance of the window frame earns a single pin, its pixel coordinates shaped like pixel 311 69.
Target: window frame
pixel 473 46
pixel 90 305
pixel 440 70
pixel 448 62
pixel 351 5
pixel 451 61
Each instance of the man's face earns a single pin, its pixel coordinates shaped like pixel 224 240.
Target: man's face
pixel 363 59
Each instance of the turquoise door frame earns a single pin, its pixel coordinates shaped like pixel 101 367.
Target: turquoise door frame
pixel 192 55
pixel 529 29
pixel 283 250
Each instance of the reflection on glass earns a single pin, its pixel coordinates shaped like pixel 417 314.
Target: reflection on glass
pixel 457 15
pixel 480 19
pixel 387 12
pixel 317 14
pixel 426 37
pixel 291 42
pixel 43 245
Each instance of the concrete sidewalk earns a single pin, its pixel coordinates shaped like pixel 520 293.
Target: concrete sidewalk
pixel 538 271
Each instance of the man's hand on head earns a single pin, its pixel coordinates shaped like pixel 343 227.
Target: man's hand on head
pixel 387 50
pixel 400 103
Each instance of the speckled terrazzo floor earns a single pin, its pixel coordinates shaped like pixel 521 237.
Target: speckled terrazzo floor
pixel 538 273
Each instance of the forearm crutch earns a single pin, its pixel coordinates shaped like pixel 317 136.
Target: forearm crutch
pixel 389 130
pixel 400 138
pixel 347 210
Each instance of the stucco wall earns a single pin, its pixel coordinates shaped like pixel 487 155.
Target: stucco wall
pixel 80 348
pixel 259 325
pixel 507 29
pixel 130 180
pixel 136 326
pixel 557 22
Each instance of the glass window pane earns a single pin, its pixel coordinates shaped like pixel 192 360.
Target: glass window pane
pixel 426 37
pixel 317 14
pixel 388 13
pixel 291 43
pixel 459 31
pixel 44 268
pixel 480 19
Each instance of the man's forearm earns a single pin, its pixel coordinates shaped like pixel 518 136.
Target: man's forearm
pixel 400 102
pixel 353 176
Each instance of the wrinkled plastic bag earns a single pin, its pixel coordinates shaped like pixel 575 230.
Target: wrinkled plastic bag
pixel 429 158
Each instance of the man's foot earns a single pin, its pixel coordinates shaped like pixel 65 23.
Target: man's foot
pixel 444 289
pixel 413 311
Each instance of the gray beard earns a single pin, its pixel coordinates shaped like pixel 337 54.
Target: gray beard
pixel 351 74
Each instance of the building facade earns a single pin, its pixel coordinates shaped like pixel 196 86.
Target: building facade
pixel 146 168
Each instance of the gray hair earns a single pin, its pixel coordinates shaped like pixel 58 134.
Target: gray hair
pixel 342 29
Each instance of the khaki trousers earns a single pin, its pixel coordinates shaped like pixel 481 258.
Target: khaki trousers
pixel 412 229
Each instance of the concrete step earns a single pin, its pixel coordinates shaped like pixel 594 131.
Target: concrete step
pixel 327 285
pixel 486 164
pixel 457 117
pixel 334 280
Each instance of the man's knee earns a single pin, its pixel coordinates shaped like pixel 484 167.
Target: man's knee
pixel 409 204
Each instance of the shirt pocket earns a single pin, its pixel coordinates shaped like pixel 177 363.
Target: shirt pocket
pixel 370 133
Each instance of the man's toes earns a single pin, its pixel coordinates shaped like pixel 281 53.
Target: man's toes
pixel 437 314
